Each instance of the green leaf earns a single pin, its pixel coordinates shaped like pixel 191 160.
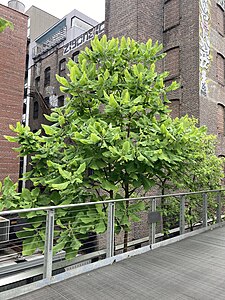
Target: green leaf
pixel 11 139
pixel 135 218
pixel 49 130
pixel 65 174
pixel 62 80
pixel 59 246
pixel 94 138
pixel 112 101
pixel 60 186
pixel 76 244
pixel 100 227
pixel 29 246
pixel 66 202
pixel 108 186
pixel 81 168
pixel 126 147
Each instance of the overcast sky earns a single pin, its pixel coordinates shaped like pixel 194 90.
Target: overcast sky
pixel 92 8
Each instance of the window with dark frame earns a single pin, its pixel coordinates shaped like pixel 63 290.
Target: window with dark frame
pixel 81 24
pixel 220 119
pixel 220 70
pixel 47 76
pixel 46 99
pixel 62 67
pixel 171 14
pixel 75 56
pixel 172 62
pixel 174 105
pixel 60 101
pixel 35 110
pixel 24 108
pixel 220 20
pixel 25 92
pixel 37 83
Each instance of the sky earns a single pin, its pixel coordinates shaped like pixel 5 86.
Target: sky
pixel 92 8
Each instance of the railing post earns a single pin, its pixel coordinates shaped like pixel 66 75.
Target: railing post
pixel 204 210
pixel 110 230
pixel 48 254
pixel 153 225
pixel 182 215
pixel 218 210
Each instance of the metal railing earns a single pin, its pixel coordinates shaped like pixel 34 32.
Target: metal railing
pixel 166 218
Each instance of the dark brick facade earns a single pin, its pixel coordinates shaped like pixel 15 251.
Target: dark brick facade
pixel 12 69
pixel 176 24
pixel 212 106
pixel 52 61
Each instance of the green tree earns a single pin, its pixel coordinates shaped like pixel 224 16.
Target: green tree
pixel 112 139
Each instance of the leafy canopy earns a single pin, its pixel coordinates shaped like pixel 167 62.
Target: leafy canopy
pixel 113 138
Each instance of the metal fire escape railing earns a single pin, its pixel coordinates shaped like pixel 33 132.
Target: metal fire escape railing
pixel 146 235
pixel 35 93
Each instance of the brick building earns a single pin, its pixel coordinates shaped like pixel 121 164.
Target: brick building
pixel 49 54
pixel 13 45
pixel 193 35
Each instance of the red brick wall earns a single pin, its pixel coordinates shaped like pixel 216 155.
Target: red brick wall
pixel 12 70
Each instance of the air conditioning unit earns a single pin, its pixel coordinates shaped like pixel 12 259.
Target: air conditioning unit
pixel 4 229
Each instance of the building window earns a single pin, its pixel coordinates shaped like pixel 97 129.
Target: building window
pixel 220 20
pixel 24 108
pixel 62 67
pixel 36 110
pixel 37 83
pixel 220 119
pixel 60 101
pixel 174 105
pixel 172 62
pixel 47 76
pixel 84 26
pixel 37 69
pixel 25 92
pixel 220 68
pixel 46 99
pixel 75 56
pixel 171 14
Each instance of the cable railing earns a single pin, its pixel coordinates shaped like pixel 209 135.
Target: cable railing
pixel 34 244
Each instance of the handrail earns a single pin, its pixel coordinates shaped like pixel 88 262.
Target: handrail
pixel 47 208
pixel 151 236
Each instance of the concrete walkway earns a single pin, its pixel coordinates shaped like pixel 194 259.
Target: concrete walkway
pixel 190 269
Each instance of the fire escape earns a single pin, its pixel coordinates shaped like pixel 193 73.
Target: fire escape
pixel 35 94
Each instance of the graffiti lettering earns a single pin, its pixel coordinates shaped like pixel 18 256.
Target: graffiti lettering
pixel 87 36
pixel 204 52
pixel 221 3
